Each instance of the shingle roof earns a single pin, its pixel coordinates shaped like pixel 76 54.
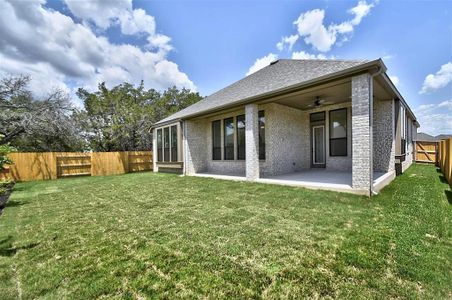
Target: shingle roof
pixel 443 136
pixel 424 137
pixel 278 75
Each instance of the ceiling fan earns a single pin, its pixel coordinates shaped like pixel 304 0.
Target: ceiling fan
pixel 319 102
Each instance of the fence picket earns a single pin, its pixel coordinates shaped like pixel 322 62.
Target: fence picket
pixel 445 159
pixel 51 165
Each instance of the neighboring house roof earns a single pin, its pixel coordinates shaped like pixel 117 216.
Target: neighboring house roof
pixel 443 137
pixel 278 77
pixel 424 137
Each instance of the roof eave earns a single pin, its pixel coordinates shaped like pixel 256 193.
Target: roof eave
pixel 378 63
pixel 399 96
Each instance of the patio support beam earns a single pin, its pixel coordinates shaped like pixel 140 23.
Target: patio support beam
pixel 362 161
pixel 252 141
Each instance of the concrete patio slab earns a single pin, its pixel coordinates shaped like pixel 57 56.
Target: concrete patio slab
pixel 321 179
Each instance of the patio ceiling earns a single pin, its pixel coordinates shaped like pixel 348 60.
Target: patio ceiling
pixel 329 94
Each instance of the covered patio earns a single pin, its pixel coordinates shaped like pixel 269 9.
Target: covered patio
pixel 324 179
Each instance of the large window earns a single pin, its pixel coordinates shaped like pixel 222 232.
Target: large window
pixel 174 143
pixel 261 124
pixel 216 140
pixel 235 143
pixel 338 132
pixel 166 144
pixel 159 145
pixel 228 139
pixel 240 137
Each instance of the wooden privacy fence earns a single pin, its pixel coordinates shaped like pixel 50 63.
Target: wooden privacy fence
pixel 52 165
pixel 445 158
pixel 426 151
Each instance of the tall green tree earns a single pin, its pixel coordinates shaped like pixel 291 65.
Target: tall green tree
pixel 119 119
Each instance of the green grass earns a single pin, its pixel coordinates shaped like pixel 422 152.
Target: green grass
pixel 148 235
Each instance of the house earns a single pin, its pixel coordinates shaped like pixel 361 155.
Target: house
pixel 425 137
pixel 440 137
pixel 325 124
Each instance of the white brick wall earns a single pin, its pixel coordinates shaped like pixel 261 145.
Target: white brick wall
pixel 252 141
pixel 195 144
pixel 285 145
pixel 383 136
pixel 361 132
pixel 288 147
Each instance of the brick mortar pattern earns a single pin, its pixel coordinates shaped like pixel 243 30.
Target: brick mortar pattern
pixel 361 134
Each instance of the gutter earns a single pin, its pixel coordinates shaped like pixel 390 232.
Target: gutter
pixel 400 97
pixel 360 68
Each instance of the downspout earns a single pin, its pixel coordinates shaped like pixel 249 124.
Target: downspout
pixel 371 117
pixel 184 145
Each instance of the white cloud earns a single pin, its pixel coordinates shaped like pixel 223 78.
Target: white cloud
pixel 395 80
pixel 435 118
pixel 56 51
pixel 287 40
pixel 262 63
pixel 305 55
pixel 439 80
pixel 310 26
pixel 360 11
pixel 102 13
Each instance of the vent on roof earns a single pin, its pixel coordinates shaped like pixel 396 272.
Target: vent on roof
pixel 274 62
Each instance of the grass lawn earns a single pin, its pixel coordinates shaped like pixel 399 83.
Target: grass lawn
pixel 148 235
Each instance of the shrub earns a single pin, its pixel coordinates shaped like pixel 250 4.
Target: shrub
pixel 7 183
pixel 4 191
pixel 4 151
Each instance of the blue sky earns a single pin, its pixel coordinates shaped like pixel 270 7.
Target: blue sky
pixel 206 45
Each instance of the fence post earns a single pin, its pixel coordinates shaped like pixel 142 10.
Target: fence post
pixel 448 161
pixel 126 161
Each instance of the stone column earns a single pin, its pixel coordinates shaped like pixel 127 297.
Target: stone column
pixel 362 94
pixel 252 141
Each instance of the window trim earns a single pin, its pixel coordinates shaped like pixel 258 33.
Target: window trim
pixel 166 159
pixel 213 138
pixel 259 137
pixel 233 138
pixel 173 147
pixel 342 138
pixel 178 144
pixel 159 157
pixel 234 117
pixel 237 136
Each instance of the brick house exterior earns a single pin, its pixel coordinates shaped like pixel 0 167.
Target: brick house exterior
pixel 295 116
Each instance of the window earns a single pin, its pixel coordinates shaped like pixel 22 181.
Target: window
pixel 216 140
pixel 240 136
pixel 228 138
pixel 338 132
pixel 261 124
pixel 174 143
pixel 159 145
pixel 403 130
pixel 166 144
pixel 316 117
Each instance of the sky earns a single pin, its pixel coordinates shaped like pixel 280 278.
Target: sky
pixel 207 45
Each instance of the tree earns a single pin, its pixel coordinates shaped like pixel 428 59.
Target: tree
pixel 30 124
pixel 119 119
pixel 116 119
